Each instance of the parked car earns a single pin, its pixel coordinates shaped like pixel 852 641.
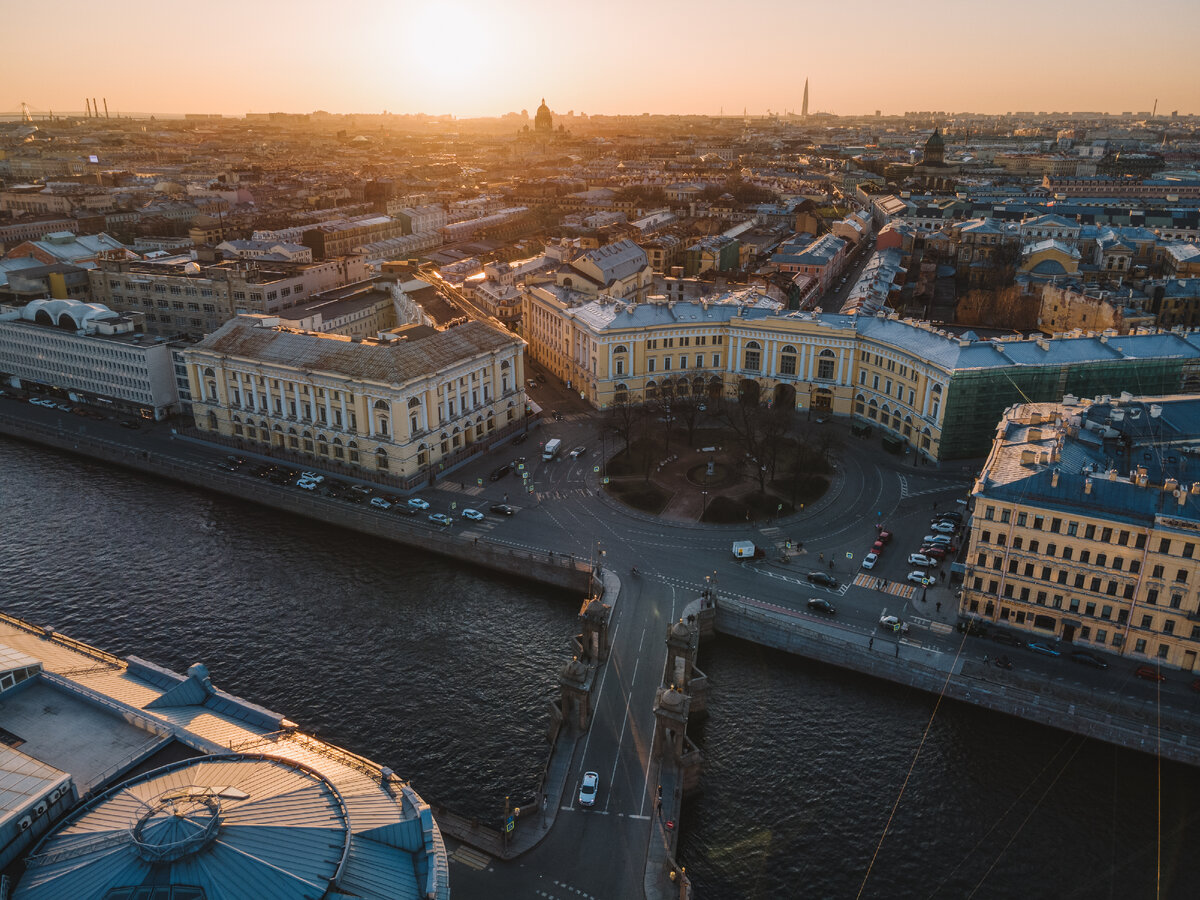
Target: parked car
pixel 500 472
pixel 883 536
pixel 1003 637
pixel 869 560
pixel 1044 649
pixel 951 516
pixel 578 452
pixel 473 514
pixel 944 527
pixel 502 509
pixel 380 503
pixel 821 605
pixel 938 539
pixel 919 577
pixel 440 519
pixel 934 551
pixel 312 476
pixel 1149 673
pixel 1088 659
pixel 306 485
pixel 520 438
pixel 417 503
pixel 893 623
pixel 823 579
pixel 920 559
pixel 589 788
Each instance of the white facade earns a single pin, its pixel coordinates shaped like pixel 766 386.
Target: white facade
pixel 120 365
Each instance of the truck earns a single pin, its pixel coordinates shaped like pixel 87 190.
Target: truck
pixel 551 449
pixel 747 550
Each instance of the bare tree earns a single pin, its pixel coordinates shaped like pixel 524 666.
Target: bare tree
pixel 624 419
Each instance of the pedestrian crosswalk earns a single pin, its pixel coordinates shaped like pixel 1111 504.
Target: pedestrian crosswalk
pixel 568 494
pixel 457 487
pixel 895 588
pixel 470 857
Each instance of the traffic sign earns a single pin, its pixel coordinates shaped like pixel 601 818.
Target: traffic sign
pixel 509 824
pixel 479 482
pixel 453 505
pixel 849 555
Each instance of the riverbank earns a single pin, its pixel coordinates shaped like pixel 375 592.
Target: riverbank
pixel 558 570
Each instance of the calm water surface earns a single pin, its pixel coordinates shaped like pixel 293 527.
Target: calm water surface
pixel 445 673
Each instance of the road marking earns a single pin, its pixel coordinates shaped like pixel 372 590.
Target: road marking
pixel 895 588
pixel 621 737
pixel 470 857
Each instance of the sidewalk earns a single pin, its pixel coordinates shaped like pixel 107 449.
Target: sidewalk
pixel 664 837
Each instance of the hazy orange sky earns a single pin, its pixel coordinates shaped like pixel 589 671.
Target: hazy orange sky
pixel 488 57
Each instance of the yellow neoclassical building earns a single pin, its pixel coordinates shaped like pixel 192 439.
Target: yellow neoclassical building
pixel 403 406
pixel 1086 527
pixel 744 343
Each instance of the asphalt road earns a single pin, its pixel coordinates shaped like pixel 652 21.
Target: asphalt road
pixel 565 514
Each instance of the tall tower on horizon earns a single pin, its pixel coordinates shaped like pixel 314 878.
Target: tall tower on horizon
pixel 804 103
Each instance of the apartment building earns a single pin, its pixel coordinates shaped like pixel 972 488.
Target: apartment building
pixel 406 405
pixel 1086 527
pixel 184 297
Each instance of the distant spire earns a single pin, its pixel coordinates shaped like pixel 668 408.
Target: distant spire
pixel 804 104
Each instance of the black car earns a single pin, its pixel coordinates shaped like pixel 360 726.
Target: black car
pixel 503 509
pixel 520 438
pixel 557 416
pixel 1003 637
pixel 500 472
pixel 1088 659
pixel 822 579
pixel 821 605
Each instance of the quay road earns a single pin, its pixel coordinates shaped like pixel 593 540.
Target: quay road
pixel 600 852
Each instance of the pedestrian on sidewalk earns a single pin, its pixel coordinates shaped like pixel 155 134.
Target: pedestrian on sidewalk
pixel 943 574
pixel 871 644
pixel 897 648
pixel 939 606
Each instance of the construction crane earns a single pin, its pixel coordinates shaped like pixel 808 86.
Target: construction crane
pixel 25 116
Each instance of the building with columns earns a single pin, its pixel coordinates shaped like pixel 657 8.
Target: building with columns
pixel 940 392
pixel 406 405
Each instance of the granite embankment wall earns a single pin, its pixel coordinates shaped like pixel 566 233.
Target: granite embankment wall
pixel 558 571
pixel 1100 715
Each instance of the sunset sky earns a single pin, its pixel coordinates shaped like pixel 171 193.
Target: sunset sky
pixel 488 57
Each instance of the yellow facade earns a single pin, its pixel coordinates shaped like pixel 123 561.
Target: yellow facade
pixel 613 352
pixel 409 429
pixel 1053 554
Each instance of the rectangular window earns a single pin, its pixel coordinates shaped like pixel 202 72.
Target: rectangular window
pixel 1004 516
pixel 1156 572
pixel 1089 532
pixel 1072 529
pixel 1021 519
pixel 1152 596
pixel 1164 545
pixel 1188 550
pixel 1056 525
pixel 1147 622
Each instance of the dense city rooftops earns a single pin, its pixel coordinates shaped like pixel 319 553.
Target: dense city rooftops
pixel 1135 457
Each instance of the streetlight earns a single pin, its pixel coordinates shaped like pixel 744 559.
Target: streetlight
pixel 703 504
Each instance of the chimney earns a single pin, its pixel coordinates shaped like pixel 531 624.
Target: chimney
pixel 1170 484
pixel 1054 478
pixel 1087 485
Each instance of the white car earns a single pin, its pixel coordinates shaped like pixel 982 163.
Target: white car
pixel 589 788
pixel 893 623
pixel 920 559
pixel 921 578
pixel 473 514
pixel 312 476
pixel 578 452
pixel 938 539
pixel 380 502
pixel 306 485
pixel 869 560
pixel 944 527
pixel 417 503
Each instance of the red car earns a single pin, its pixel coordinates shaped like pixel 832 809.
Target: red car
pixel 935 552
pixel 877 547
pixel 883 536
pixel 1149 673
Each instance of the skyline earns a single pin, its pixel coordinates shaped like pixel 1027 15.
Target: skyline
pixel 470 59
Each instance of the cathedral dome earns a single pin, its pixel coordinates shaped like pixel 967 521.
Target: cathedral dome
pixel 542 120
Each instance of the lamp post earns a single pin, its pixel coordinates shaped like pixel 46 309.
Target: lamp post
pixel 703 504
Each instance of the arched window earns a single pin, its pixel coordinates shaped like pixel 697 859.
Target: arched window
pixel 651 390
pixel 510 412
pixel 212 421
pixel 293 439
pixel 381 459
pixel 308 443
pixel 936 403
pixel 752 360
pixel 352 449
pixel 873 409
pixel 620 348
pixel 322 445
pixel 339 452
pixel 825 365
pixel 414 403
pixel 621 395
pixel 859 404
pixel 908 426
pixel 787 360
pixel 422 455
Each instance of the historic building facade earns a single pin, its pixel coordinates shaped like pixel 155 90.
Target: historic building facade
pixel 405 406
pixel 1079 536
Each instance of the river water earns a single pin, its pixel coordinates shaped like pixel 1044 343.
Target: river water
pixel 445 673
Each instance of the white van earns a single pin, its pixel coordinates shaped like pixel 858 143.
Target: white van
pixel 551 449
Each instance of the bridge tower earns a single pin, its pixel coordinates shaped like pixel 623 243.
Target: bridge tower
pixel 593 637
pixel 575 694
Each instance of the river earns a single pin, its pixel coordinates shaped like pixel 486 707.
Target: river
pixel 444 673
